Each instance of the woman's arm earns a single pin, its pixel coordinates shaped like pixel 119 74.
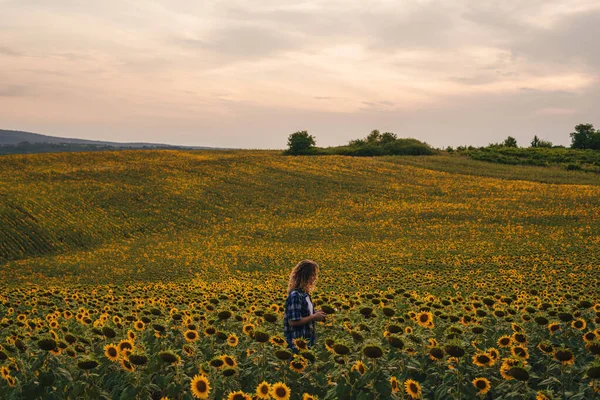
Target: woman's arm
pixel 317 316
pixel 302 321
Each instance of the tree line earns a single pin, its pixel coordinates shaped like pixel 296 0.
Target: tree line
pixel 374 144
pixel 387 143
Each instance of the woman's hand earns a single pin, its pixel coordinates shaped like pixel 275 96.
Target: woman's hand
pixel 319 315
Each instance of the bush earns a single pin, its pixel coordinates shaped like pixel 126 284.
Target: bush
pixel 300 143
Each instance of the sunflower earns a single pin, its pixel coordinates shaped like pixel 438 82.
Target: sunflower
pixel 424 319
pixel 125 347
pixel 482 385
pixel 188 350
pixel 280 391
pixel 200 387
pixel 519 337
pixel 298 364
pixel 232 340
pixel 210 331
pixel 169 356
pixel 507 364
pixel 300 343
pixel 565 356
pixel 493 353
pixel 436 354
pixel 229 361
pixel 432 342
pixel 519 352
pixel 579 324
pixel 372 351
pixel 139 325
pixel 589 336
pixel 359 367
pixel 277 341
pixel 394 384
pixel 239 395
pixel 127 366
pixel 504 341
pixel 307 396
pixel 413 389
pixel 260 336
pixel 262 390
pixel 190 335
pixel 247 329
pixel 131 335
pixel 111 352
pixel 217 362
pixel 546 347
pixel 553 327
pixel 11 381
pixel 483 359
pixel 341 349
pixel 542 396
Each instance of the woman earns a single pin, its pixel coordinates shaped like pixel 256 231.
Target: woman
pixel 300 317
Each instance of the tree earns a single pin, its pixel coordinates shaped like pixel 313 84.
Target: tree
pixel 374 136
pixel 510 142
pixel 300 143
pixel 537 142
pixel 387 137
pixel 357 142
pixel 585 137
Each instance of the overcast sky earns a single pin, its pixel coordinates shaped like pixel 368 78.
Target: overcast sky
pixel 248 73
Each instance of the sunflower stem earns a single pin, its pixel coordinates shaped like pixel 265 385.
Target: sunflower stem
pixel 458 380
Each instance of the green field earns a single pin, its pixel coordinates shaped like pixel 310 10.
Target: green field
pixel 152 234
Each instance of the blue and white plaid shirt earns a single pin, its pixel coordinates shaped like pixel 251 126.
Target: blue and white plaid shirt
pixel 296 308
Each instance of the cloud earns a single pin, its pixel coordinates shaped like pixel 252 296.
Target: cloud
pixel 556 111
pixel 432 69
pixel 12 90
pixel 6 51
pixel 240 43
pixel 572 41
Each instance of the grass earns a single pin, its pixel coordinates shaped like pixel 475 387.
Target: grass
pixel 461 164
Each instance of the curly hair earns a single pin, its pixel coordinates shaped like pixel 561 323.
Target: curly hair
pixel 303 276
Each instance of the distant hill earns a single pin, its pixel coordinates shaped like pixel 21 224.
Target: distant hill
pixel 19 142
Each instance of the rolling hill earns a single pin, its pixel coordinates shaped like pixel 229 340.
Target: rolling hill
pixel 19 142
pixel 109 216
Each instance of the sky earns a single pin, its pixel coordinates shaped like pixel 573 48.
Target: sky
pixel 248 73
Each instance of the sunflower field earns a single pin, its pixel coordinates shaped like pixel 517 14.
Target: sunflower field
pixel 163 275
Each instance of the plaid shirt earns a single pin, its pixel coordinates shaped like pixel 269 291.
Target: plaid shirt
pixel 296 308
